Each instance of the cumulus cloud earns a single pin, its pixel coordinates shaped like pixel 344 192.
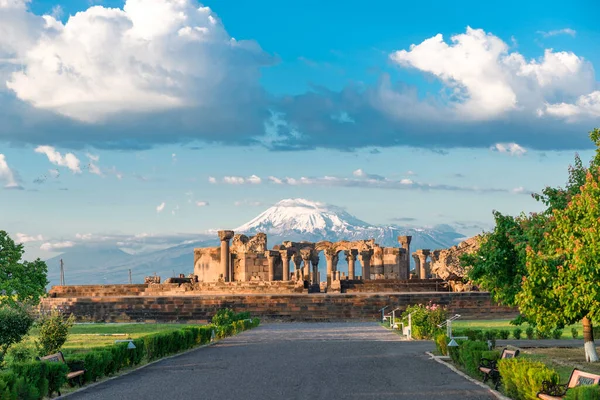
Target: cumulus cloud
pixel 212 179
pixel 53 246
pixel 587 105
pixel 69 160
pixel 365 180
pixel 564 31
pixel 510 148
pixel 7 175
pixel 202 203
pixel 254 179
pixel 160 207
pixel 25 238
pixel 233 180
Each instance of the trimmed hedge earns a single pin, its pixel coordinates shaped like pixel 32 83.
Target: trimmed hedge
pixel 522 379
pixel 34 380
pixel 583 393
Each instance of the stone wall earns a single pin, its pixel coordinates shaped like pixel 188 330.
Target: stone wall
pixel 394 285
pixel 289 307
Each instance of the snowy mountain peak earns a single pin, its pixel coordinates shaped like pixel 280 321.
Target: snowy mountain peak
pixel 303 216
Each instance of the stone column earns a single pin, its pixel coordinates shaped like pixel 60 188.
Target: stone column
pixel 351 259
pixel 285 260
pixel 315 264
pixel 423 273
pixel 271 258
pixel 365 260
pixel 297 261
pixel 329 256
pixel 417 259
pixel 405 262
pixel 306 254
pixel 225 237
pixel 377 262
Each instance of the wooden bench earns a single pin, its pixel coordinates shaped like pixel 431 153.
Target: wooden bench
pixel 490 367
pixel 551 391
pixel 58 357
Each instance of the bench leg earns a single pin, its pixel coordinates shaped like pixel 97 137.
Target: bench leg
pixel 486 376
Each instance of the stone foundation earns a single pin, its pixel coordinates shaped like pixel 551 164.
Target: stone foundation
pixel 287 307
pixel 394 286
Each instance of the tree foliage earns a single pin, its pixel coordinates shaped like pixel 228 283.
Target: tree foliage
pixel 560 284
pixel 20 281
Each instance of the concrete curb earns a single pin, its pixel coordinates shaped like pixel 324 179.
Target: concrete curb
pixel 91 385
pixel 498 395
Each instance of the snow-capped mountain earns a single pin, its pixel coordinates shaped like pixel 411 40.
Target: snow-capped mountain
pixel 290 219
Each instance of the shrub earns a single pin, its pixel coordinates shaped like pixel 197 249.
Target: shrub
pixel 529 332
pixel 542 334
pixel 504 334
pixel 517 333
pixel 574 333
pixel 441 343
pixel 425 319
pixel 20 352
pixel 470 356
pixel 491 335
pixel 491 355
pixel 522 379
pixel 557 333
pixel 54 330
pixel 583 393
pixel 14 325
pixel 472 334
pixel 223 317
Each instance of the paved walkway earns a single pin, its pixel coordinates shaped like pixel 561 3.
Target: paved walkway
pixel 297 361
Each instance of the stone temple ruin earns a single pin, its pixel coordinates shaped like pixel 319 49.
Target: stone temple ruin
pixel 247 259
pixel 242 273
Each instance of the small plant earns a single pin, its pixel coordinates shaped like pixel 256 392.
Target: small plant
pixel 425 319
pixel 557 333
pixel 583 393
pixel 504 334
pixel 54 330
pixel 529 332
pixel 517 333
pixel 574 333
pixel 441 342
pixel 20 352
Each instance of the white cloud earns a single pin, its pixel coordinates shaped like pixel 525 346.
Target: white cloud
pixel 212 179
pixel 160 207
pixel 48 246
pixel 54 173
pixel 564 31
pixel 358 172
pixel 6 174
pixel 587 105
pixel 275 180
pixel 233 180
pixel 150 55
pixel 173 158
pixel 254 179
pixel 174 211
pixel 406 182
pixel 113 170
pixel 202 203
pixel 84 236
pixel 25 238
pixel 92 167
pixel 411 173
pixel 486 81
pixel 250 203
pixel 69 160
pixel 510 148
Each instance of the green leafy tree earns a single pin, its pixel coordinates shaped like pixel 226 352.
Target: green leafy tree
pixel 15 322
pixel 54 330
pixel 21 282
pixel 560 284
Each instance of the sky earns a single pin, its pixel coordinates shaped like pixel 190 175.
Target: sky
pixel 157 120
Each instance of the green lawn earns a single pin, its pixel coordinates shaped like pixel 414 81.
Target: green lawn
pixel 83 337
pixel 498 324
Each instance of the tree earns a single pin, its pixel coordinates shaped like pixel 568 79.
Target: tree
pixel 21 282
pixel 14 324
pixel 54 330
pixel 560 284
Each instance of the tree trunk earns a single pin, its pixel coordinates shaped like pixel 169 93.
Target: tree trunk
pixel 588 341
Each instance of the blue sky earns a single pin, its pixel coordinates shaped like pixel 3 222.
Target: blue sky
pixel 421 113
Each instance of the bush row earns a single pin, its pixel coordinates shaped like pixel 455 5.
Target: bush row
pixel 517 333
pixel 34 380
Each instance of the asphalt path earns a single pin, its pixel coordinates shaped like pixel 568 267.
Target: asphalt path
pixel 297 361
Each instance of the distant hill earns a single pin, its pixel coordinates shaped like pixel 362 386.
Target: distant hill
pixel 290 219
